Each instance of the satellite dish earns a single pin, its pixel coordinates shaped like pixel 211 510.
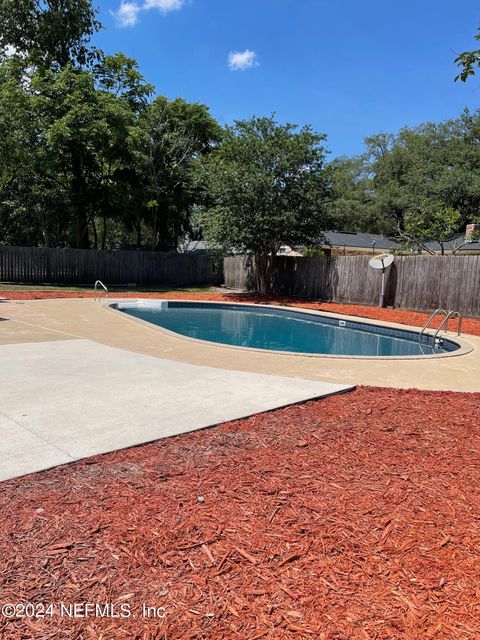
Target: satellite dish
pixel 381 263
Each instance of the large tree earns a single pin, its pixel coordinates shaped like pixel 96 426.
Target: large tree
pixel 68 148
pixel 86 157
pixel 49 38
pixel 93 133
pixel 49 33
pixel 437 162
pixel 29 192
pixel 265 186
pixel 175 133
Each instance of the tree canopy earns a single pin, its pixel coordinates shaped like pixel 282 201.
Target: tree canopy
pixel 91 156
pixel 88 158
pixel 429 220
pixel 264 186
pixel 434 162
pixel 50 32
pixel 175 134
pixel 81 139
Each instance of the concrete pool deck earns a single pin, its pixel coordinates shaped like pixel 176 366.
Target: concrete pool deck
pixel 64 400
pixel 78 378
pixel 64 319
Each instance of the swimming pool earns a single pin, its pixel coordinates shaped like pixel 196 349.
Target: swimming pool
pixel 278 329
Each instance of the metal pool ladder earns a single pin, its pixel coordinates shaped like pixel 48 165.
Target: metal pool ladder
pixel 427 324
pixel 444 323
pixel 99 282
pixel 451 314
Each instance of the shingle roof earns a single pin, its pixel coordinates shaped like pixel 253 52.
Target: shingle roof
pixel 453 243
pixel 364 241
pixel 359 240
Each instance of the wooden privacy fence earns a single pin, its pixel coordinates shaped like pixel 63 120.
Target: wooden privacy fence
pixel 414 282
pixel 32 265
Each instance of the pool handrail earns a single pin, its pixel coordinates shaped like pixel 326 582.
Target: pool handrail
pixel 427 324
pixel 451 314
pixel 99 282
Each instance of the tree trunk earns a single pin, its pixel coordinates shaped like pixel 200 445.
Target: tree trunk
pixel 154 227
pixel 164 236
pixel 138 228
pixel 46 240
pixel 82 240
pixel 95 234
pixel 176 233
pixel 263 272
pixel 104 233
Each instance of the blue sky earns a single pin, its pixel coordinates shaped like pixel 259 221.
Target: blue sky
pixel 350 68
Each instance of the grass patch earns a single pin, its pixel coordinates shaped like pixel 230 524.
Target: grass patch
pixel 113 289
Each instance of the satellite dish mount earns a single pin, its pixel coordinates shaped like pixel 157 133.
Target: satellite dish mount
pixel 381 262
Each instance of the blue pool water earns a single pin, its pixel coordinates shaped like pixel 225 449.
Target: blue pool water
pixel 264 328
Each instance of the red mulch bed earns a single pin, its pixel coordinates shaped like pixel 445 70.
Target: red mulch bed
pixel 415 318
pixel 354 517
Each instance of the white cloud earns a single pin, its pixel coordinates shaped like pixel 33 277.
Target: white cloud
pixel 127 14
pixel 165 6
pixel 241 60
pixel 10 51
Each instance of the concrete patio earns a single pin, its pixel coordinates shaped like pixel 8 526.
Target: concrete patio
pixel 69 399
pixel 78 378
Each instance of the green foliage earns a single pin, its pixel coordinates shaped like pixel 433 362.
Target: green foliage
pixel 429 220
pixel 467 61
pixel 84 152
pixel 352 204
pixel 90 135
pixel 313 252
pixel 49 32
pixel 24 179
pixel 89 158
pixel 68 151
pixel 175 134
pixel 120 76
pixel 437 162
pixel 261 184
pixel 264 186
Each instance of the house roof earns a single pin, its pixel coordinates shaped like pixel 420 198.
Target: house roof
pixel 364 241
pixel 454 243
pixel 359 240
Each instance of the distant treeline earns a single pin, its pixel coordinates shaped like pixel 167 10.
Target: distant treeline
pixel 90 157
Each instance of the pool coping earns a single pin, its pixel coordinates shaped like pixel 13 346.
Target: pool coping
pixel 465 346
